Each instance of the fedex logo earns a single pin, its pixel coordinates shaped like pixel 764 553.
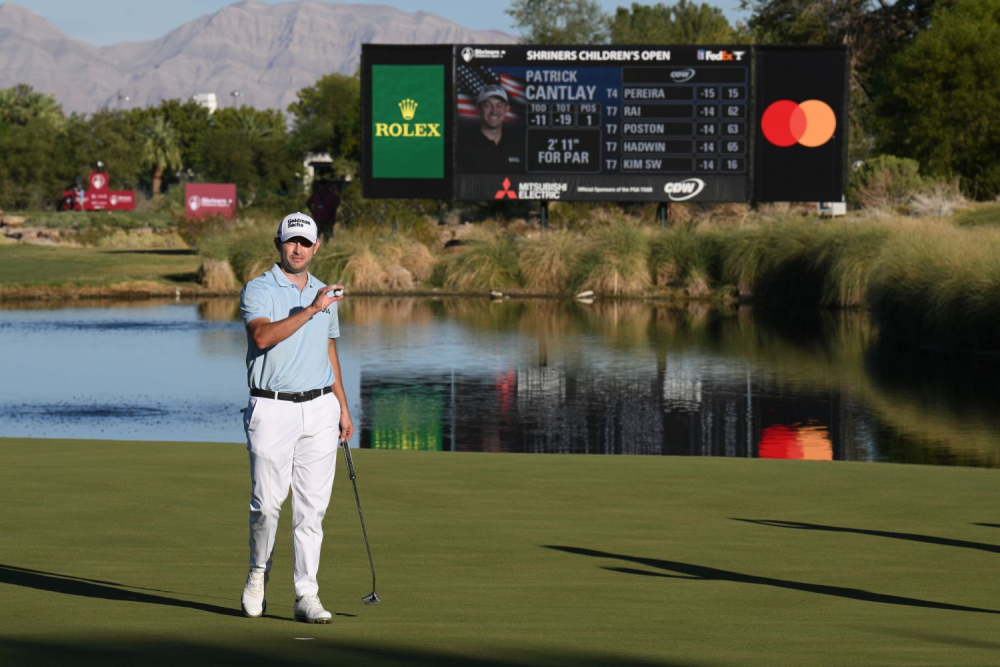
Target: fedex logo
pixel 721 55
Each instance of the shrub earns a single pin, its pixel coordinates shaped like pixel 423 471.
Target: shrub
pixel 885 181
pixel 406 213
pixel 137 240
pixel 937 199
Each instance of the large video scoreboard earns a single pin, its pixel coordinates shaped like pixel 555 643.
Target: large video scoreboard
pixel 624 123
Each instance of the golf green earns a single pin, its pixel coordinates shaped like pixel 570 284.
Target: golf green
pixel 135 553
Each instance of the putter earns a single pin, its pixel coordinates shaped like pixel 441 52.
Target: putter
pixel 371 598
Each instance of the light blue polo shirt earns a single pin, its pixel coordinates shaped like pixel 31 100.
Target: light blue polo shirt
pixel 301 361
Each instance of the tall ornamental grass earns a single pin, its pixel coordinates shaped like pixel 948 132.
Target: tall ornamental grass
pixel 547 262
pixel 940 285
pixel 615 261
pixel 803 263
pixel 686 258
pixel 365 261
pixel 248 246
pixel 490 261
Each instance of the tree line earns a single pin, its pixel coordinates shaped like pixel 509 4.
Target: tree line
pixel 44 152
pixel 924 86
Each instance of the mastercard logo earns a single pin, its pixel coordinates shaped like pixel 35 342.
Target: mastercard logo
pixel 810 123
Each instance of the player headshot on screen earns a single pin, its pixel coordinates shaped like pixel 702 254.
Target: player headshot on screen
pixel 491 149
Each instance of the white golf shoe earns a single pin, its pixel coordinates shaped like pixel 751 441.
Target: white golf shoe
pixel 253 602
pixel 309 609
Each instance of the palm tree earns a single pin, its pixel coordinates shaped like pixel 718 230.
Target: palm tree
pixel 21 104
pixel 160 149
pixel 253 124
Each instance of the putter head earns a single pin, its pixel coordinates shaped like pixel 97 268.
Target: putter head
pixel 371 598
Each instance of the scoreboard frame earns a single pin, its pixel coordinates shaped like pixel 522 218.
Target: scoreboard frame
pixel 605 123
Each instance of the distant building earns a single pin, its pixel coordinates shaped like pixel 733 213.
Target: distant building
pixel 316 166
pixel 206 100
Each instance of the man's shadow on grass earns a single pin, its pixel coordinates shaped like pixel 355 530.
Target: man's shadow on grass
pixel 95 588
pixel 988 525
pixel 702 573
pixel 107 590
pixel 912 537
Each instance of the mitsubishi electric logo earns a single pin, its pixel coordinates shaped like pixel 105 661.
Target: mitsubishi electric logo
pixel 506 192
pixel 684 190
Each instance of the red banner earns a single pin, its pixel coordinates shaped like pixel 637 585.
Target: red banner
pixel 99 200
pixel 210 199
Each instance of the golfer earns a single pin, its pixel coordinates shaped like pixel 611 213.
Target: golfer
pixel 296 412
pixel 490 149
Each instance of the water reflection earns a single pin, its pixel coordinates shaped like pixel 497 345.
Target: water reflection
pixel 636 378
pixel 518 376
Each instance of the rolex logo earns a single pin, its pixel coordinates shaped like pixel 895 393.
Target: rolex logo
pixel 408 108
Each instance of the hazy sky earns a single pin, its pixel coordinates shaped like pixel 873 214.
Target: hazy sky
pixel 103 22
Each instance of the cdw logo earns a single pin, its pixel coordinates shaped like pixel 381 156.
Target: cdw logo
pixel 683 190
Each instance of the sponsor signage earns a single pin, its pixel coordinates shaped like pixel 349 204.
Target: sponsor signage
pixel 99 198
pixel 801 133
pixel 408 121
pixel 585 123
pixel 202 200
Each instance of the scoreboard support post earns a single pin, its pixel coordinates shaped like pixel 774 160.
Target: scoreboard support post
pixel 544 215
pixel 663 213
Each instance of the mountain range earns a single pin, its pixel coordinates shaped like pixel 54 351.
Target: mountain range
pixel 266 53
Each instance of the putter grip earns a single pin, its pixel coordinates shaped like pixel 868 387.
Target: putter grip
pixel 350 463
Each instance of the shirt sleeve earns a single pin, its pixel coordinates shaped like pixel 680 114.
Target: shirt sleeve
pixel 334 321
pixel 254 303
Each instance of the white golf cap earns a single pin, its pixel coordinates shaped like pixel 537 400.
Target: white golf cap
pixel 491 91
pixel 298 224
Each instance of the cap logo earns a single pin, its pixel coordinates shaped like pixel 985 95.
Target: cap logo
pixel 296 222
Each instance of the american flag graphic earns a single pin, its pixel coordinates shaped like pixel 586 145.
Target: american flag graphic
pixel 473 78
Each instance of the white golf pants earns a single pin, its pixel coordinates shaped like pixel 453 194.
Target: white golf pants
pixel 291 444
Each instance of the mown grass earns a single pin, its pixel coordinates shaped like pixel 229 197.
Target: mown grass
pixel 496 560
pixel 26 266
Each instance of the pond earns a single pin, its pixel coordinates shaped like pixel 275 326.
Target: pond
pixel 463 374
